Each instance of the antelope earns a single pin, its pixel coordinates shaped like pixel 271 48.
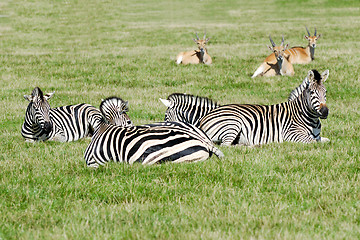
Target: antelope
pixel 303 55
pixel 277 65
pixel 196 56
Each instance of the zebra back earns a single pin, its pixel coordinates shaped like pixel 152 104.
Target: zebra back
pixel 74 122
pixel 187 108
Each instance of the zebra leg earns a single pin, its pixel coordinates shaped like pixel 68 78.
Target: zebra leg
pixel 93 164
pixel 228 140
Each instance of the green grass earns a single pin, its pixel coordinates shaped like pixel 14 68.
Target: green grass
pixel 89 50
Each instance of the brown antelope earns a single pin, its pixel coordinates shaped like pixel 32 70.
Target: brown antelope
pixel 196 56
pixel 300 55
pixel 279 65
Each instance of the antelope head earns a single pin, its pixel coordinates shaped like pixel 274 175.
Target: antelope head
pixel 312 39
pixel 201 42
pixel 279 51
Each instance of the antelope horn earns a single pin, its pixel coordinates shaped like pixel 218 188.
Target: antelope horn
pixel 197 37
pixel 308 31
pixel 282 40
pixel 205 34
pixel 315 32
pixel 272 42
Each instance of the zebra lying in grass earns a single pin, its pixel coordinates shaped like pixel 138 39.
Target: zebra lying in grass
pixel 296 120
pixel 63 124
pixel 148 144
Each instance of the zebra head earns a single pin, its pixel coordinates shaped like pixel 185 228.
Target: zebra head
pixel 114 110
pixel 39 109
pixel 316 93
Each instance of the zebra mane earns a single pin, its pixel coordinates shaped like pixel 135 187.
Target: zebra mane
pixel 304 85
pixel 37 92
pixel 110 106
pixel 190 100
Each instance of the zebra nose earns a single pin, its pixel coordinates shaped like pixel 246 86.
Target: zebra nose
pixel 324 111
pixel 47 127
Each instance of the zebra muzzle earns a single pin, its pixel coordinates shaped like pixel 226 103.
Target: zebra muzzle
pixel 324 111
pixel 47 127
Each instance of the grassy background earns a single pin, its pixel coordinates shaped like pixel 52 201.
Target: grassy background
pixel 89 50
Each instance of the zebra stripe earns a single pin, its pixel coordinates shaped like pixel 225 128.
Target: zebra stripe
pixel 187 108
pixel 296 120
pixel 63 124
pixel 148 144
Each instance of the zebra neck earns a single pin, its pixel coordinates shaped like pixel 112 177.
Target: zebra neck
pixel 303 109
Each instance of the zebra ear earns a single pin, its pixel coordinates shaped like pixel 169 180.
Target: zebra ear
pixel 310 76
pixel 28 97
pixel 324 75
pixel 166 102
pixel 48 95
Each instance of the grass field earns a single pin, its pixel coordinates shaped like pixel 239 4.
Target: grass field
pixel 89 50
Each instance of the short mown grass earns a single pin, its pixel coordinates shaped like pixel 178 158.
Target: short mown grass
pixel 89 50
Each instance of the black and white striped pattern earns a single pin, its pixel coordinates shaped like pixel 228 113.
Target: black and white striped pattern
pixel 187 108
pixel 63 124
pixel 296 120
pixel 148 144
pixel 114 111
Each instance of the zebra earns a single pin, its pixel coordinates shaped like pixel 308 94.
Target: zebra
pixel 148 144
pixel 187 108
pixel 63 124
pixel 296 120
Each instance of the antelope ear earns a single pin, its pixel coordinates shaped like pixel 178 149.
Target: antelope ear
pixel 48 95
pixel 286 47
pixel 317 37
pixel 195 40
pixel 166 102
pixel 306 37
pixel 28 97
pixel 271 48
pixel 324 75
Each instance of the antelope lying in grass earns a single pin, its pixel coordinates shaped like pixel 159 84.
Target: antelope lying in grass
pixel 196 56
pixel 303 55
pixel 277 65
